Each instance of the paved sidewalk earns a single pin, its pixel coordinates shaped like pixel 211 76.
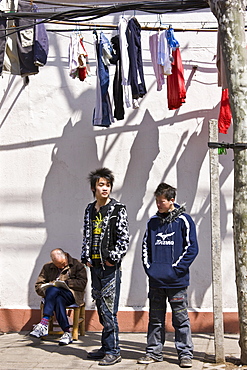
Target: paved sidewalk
pixel 19 351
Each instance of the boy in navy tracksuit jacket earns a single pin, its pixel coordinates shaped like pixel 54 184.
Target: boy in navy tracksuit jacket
pixel 169 247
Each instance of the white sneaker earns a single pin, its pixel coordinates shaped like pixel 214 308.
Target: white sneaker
pixel 66 338
pixel 39 330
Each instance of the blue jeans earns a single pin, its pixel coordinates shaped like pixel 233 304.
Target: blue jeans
pixel 56 300
pixel 180 321
pixel 105 292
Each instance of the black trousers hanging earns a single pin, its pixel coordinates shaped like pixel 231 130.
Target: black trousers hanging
pixel 136 75
pixel 117 82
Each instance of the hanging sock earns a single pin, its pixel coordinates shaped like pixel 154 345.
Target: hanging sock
pixel 225 115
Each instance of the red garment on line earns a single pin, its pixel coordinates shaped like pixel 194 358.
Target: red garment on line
pixel 176 92
pixel 225 115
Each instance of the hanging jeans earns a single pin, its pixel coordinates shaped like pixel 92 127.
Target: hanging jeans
pixel 103 112
pixel 180 321
pixel 105 292
pixel 56 300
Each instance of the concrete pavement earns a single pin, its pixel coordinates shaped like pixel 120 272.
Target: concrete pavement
pixel 19 351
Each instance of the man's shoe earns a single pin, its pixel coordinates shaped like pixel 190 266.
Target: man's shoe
pixel 185 362
pixel 96 355
pixel 39 331
pixel 65 339
pixel 146 360
pixel 110 360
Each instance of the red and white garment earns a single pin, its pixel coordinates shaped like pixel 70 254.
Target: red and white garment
pixel 78 58
pixel 176 92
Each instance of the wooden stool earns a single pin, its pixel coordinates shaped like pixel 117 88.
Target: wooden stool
pixel 78 320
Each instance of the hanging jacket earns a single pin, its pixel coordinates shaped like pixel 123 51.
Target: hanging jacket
pixel 136 75
pixel 25 40
pixel 169 247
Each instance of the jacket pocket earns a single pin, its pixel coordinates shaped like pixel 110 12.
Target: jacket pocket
pixel 162 272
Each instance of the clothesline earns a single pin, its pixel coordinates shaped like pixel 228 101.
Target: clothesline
pixel 92 26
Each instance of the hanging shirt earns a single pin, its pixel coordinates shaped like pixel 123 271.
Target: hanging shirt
pixel 172 42
pixel 164 53
pixel 158 70
pixel 41 43
pixel 78 58
pixel 176 92
pixel 122 26
pixel 97 222
pixel 225 115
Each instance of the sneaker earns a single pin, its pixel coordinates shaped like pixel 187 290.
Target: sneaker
pixel 65 339
pixel 96 355
pixel 39 330
pixel 185 362
pixel 110 360
pixel 146 360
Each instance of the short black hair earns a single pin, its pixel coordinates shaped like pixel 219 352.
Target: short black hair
pixel 165 190
pixel 94 176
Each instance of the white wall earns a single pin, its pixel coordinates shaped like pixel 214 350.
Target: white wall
pixel 48 147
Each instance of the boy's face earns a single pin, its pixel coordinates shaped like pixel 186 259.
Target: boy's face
pixel 102 189
pixel 163 204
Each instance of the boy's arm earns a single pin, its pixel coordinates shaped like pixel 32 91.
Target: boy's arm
pixel 86 237
pixel 122 233
pixel 190 249
pixel 146 250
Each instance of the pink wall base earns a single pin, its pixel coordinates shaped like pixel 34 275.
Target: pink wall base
pixel 15 320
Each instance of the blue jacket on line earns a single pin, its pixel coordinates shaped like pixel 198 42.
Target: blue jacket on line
pixel 168 249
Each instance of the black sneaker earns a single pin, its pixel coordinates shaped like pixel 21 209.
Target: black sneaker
pixel 110 360
pixel 185 362
pixel 96 355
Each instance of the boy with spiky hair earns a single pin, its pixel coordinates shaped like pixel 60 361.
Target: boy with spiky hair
pixel 169 247
pixel 105 243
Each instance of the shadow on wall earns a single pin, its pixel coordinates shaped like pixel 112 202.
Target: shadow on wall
pixel 64 195
pixel 75 153
pixel 64 187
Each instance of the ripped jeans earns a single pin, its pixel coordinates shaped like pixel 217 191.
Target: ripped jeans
pixel 105 292
pixel 180 321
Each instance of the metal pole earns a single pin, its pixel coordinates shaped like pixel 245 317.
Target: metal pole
pixel 216 245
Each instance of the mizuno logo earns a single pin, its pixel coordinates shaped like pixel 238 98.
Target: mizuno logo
pixel 164 236
pixel 163 240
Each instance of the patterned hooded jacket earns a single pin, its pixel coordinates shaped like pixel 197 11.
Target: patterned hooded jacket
pixel 114 238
